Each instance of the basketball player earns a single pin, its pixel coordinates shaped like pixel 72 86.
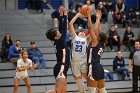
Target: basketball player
pixel 95 78
pixel 79 57
pixel 59 37
pixel 22 65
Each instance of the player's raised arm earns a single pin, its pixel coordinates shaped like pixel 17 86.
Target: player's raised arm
pixel 71 27
pixel 91 30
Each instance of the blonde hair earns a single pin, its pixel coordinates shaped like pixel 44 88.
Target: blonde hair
pixel 23 52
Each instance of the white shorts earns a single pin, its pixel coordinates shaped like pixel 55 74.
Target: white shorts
pixel 79 66
pixel 21 75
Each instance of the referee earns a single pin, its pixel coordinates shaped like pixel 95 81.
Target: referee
pixel 134 65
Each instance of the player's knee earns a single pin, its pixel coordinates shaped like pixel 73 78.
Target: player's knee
pixel 102 90
pixel 81 86
pixel 77 78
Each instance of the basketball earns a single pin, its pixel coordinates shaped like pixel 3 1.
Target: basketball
pixel 84 10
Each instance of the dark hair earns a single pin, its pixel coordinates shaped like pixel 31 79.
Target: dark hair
pixel 32 42
pixel 80 30
pixel 103 37
pixel 17 41
pixel 137 40
pixel 51 33
pixel 6 36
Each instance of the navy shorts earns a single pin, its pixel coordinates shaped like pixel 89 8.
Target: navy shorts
pixel 57 68
pixel 97 71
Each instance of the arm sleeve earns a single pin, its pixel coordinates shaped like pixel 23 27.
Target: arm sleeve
pixel 63 25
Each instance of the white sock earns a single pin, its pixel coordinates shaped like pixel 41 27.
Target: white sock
pixel 81 86
pixel 92 89
pixel 102 90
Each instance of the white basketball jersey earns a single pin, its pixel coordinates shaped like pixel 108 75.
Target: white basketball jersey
pixel 21 63
pixel 79 47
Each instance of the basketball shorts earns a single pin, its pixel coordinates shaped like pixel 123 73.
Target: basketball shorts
pixel 57 69
pixel 79 66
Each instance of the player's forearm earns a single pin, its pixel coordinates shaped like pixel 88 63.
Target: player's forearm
pixel 21 69
pixel 90 25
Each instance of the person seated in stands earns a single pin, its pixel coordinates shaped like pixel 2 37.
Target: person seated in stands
pixel 132 16
pixel 36 56
pixel 14 52
pixel 55 15
pixel 35 4
pixel 119 66
pixel 103 11
pixel 113 38
pixel 39 5
pixel 118 18
pixel 6 43
pixel 120 6
pixel 129 38
pixel 108 5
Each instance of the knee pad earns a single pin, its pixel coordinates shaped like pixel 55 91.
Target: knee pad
pixel 92 89
pixel 102 90
pixel 81 86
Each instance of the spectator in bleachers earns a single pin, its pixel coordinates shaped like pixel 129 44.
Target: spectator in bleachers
pixel 91 4
pixel 118 18
pixel 6 43
pixel 36 56
pixel 132 16
pixel 134 66
pixel 108 5
pixel 120 6
pixel 103 11
pixel 119 66
pixel 96 3
pixel 23 65
pixel 35 4
pixel 129 38
pixel 114 38
pixel 14 52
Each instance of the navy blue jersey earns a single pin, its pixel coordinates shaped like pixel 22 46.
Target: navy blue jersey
pixel 61 44
pixel 97 68
pixel 97 52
